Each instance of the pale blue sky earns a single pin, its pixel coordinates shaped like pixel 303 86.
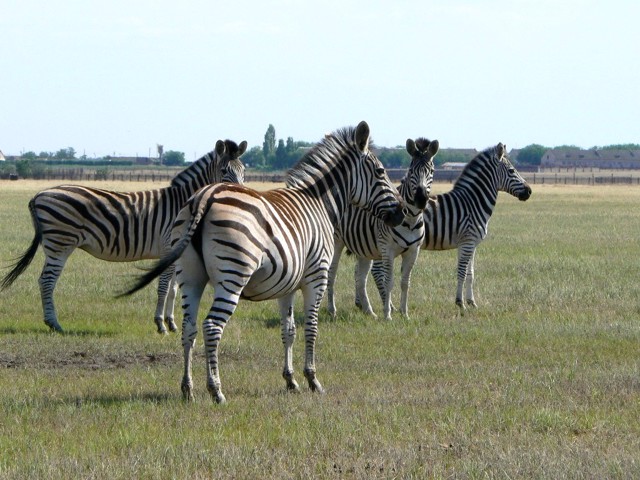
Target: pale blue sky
pixel 120 76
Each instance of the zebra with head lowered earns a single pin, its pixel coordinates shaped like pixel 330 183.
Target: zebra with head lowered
pixel 370 239
pixel 118 226
pixel 460 218
pixel 266 245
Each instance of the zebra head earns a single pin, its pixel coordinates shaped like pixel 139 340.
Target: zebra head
pixel 370 187
pixel 416 185
pixel 232 168
pixel 509 179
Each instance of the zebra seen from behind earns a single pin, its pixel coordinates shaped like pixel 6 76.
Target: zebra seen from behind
pixel 267 245
pixel 460 218
pixel 118 226
pixel 370 239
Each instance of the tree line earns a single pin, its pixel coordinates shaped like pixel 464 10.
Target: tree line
pixel 273 155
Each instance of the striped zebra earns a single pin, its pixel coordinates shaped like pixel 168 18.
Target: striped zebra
pixel 266 245
pixel 370 239
pixel 460 218
pixel 118 226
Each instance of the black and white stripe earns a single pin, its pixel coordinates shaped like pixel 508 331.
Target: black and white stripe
pixel 266 245
pixel 118 226
pixel 370 239
pixel 460 218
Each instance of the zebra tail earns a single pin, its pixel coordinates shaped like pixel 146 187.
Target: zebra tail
pixel 25 259
pixel 174 254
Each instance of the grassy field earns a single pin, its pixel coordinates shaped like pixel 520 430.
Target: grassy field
pixel 541 381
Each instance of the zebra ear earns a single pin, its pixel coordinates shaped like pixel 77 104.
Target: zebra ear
pixel 362 136
pixel 434 146
pixel 502 149
pixel 220 147
pixel 411 147
pixel 242 147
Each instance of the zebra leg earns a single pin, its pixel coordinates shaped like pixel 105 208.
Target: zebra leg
pixel 164 284
pixel 47 282
pixel 464 255
pixel 288 337
pixel 387 286
pixel 170 302
pixel 224 304
pixel 471 302
pixel 192 285
pixel 408 261
pixel 333 272
pixel 377 270
pixel 312 298
pixel 362 299
pixel 191 301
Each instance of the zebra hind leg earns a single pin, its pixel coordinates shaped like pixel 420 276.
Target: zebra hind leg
pixel 165 283
pixel 47 282
pixel 169 305
pixel 470 300
pixel 362 299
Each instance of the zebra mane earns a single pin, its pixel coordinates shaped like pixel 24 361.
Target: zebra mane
pixel 196 169
pixel 478 162
pixel 422 144
pixel 322 157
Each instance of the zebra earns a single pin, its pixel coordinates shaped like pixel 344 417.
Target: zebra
pixel 267 245
pixel 369 238
pixel 118 226
pixel 460 218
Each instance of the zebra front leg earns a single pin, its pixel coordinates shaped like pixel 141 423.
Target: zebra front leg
pixel 362 299
pixel 387 268
pixel 165 282
pixel 469 298
pixel 47 282
pixel 464 254
pixel 333 272
pixel 377 270
pixel 288 337
pixel 312 298
pixel 408 261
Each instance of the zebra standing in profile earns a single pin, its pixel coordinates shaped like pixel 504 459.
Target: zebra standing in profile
pixel 370 239
pixel 266 245
pixel 460 218
pixel 118 226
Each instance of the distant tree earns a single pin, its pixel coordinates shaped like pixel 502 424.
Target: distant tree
pixel 254 158
pixel 622 146
pixel 281 156
pixel 23 168
pixel 173 158
pixel 29 156
pixel 45 155
pixel 269 144
pixel 65 154
pixel 291 145
pixel 393 157
pixel 531 154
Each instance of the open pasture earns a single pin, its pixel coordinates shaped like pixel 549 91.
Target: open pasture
pixel 541 381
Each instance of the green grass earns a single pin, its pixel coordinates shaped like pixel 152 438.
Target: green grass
pixel 541 381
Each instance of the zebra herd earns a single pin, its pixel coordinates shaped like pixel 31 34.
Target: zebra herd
pixel 209 228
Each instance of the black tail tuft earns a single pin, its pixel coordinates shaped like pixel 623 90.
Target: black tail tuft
pixel 25 259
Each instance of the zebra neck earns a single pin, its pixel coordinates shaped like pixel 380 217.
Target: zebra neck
pixel 476 193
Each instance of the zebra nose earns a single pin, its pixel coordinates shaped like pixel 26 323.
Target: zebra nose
pixel 525 194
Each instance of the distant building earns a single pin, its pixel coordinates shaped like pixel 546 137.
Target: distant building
pixel 2 159
pixel 578 158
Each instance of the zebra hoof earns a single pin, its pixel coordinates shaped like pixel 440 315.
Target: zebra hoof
pixel 55 327
pixel 471 303
pixel 171 324
pixel 160 324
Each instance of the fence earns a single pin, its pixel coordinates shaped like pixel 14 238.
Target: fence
pixel 554 177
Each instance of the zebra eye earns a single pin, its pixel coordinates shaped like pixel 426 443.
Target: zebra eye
pixel 380 171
